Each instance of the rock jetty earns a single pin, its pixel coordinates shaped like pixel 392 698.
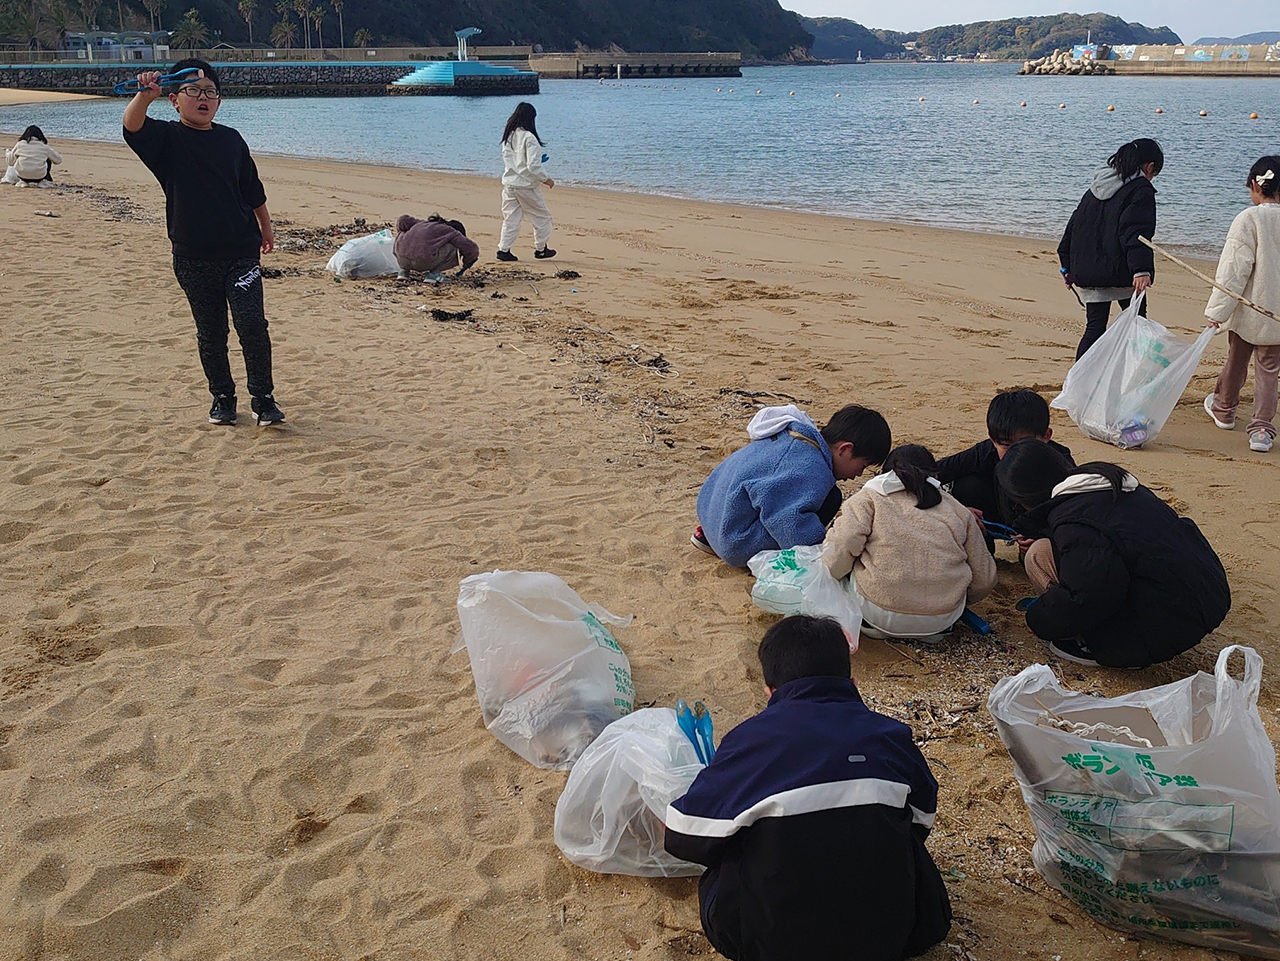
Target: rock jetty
pixel 1061 63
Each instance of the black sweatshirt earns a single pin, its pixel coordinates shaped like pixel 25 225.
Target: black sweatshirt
pixel 211 188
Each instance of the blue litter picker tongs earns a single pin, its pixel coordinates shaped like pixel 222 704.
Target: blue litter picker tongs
pixel 1001 532
pixel 696 725
pixel 168 80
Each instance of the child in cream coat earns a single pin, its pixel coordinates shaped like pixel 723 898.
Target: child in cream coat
pixel 917 556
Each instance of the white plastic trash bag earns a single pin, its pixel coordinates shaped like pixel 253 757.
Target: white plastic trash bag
pixel 609 818
pixel 1156 812
pixel 371 256
pixel 548 672
pixel 10 176
pixel 1126 385
pixel 795 581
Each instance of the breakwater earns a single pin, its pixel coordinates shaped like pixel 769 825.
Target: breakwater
pixel 635 66
pixel 238 79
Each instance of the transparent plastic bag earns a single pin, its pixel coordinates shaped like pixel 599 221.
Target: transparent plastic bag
pixel 549 674
pixel 1156 812
pixel 373 255
pixel 609 818
pixel 795 581
pixel 1125 387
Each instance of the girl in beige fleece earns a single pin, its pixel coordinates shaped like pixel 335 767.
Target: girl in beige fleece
pixel 915 556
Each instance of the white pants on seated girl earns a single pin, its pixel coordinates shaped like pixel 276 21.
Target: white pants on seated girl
pixel 516 203
pixel 903 625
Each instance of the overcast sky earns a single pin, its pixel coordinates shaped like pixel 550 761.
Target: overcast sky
pixel 1190 19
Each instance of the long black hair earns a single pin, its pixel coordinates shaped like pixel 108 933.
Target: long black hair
pixel 1029 471
pixel 33 133
pixel 915 467
pixel 455 224
pixel 1113 474
pixel 1270 187
pixel 522 118
pixel 1133 156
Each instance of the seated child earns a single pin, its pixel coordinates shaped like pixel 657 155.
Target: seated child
pixel 812 818
pixel 1123 580
pixel 915 556
pixel 1012 415
pixel 780 490
pixel 432 245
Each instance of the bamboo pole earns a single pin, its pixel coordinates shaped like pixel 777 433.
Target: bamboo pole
pixel 1209 280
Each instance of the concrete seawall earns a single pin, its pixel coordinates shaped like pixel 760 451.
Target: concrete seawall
pixel 238 80
pixel 634 66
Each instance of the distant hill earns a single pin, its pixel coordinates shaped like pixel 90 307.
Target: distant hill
pixel 1027 37
pixel 1267 36
pixel 835 38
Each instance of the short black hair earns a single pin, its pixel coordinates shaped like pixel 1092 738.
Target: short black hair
pixel 803 646
pixel 862 427
pixel 203 65
pixel 1014 415
pixel 1030 471
pixel 34 133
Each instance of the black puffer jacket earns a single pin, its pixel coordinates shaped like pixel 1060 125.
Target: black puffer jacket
pixel 1137 583
pixel 1100 247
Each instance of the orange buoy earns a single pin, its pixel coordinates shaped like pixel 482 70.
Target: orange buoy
pixel 1062 106
pixel 757 92
pixel 1023 104
pixel 975 103
pixel 1111 110
pixel 838 97
pixel 718 90
pixel 791 94
pixel 1253 116
pixel 922 99
pixel 1204 113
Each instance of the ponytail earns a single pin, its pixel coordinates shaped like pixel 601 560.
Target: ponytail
pixel 916 468
pixel 1133 156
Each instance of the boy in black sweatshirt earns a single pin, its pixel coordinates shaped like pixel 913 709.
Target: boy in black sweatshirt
pixel 216 212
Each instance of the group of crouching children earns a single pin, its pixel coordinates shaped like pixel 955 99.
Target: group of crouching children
pixel 812 817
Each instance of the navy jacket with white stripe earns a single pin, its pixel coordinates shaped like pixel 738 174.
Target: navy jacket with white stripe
pixel 811 822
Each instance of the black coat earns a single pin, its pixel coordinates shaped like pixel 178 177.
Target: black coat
pixel 1137 583
pixel 1100 247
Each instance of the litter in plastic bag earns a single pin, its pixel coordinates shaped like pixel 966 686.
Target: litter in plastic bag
pixel 1125 387
pixel 1166 821
pixel 373 255
pixel 795 581
pixel 609 818
pixel 549 674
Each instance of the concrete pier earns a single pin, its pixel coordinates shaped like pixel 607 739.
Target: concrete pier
pixel 635 66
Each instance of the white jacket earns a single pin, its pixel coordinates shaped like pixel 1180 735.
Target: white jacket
pixel 522 158
pixel 30 158
pixel 1250 266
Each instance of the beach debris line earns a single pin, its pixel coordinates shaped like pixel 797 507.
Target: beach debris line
pixel 446 316
pixel 568 274
pixel 45 213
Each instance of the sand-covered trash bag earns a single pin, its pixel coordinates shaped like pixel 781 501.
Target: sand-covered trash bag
pixel 549 674
pixel 373 255
pixel 1156 812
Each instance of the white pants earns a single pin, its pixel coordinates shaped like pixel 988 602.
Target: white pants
pixel 516 202
pixel 903 625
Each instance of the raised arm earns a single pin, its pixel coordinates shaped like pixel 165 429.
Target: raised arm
pixel 135 113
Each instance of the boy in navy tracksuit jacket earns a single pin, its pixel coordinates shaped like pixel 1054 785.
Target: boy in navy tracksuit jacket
pixel 780 491
pixel 812 819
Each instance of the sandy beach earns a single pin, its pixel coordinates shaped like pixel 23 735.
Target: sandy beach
pixel 230 724
pixel 13 97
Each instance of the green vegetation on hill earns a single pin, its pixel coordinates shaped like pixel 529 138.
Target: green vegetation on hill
pixel 1028 37
pixel 835 38
pixel 1267 36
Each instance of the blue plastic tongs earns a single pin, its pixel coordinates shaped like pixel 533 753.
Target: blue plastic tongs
pixel 1000 532
pixel 168 80
pixel 696 725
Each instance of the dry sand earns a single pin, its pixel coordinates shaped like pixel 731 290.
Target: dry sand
pixel 230 725
pixel 11 97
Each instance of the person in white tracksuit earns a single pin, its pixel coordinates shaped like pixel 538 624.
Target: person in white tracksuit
pixel 522 180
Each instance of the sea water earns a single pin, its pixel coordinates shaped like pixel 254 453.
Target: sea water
pixel 852 140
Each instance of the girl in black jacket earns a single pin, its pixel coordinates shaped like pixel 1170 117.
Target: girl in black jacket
pixel 1100 250
pixel 1123 580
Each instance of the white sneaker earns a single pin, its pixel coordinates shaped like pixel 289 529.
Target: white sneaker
pixel 1260 441
pixel 1224 424
pixel 47 184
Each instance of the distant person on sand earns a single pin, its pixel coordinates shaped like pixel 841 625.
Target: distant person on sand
pixel 1100 252
pixel 780 490
pixel 970 475
pixel 432 245
pixel 812 819
pixel 1250 266
pixel 32 158
pixel 1122 580
pixel 522 180
pixel 914 555
pixel 216 211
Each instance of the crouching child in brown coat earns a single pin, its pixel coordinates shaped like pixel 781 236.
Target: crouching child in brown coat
pixel 432 245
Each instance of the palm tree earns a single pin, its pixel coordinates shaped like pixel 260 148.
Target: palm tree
pixel 284 33
pixel 317 17
pixel 155 8
pixel 362 38
pixel 191 31
pixel 89 9
pixel 247 9
pixel 301 8
pixel 342 34
pixel 120 14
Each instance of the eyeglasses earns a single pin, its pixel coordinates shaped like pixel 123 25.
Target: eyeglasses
pixel 201 93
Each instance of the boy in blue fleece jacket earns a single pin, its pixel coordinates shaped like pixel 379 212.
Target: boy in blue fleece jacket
pixel 780 490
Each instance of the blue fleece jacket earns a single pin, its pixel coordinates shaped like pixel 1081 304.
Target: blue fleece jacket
pixel 765 497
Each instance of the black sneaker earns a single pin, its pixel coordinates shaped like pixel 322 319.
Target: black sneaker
pixel 1074 651
pixel 265 411
pixel 506 255
pixel 546 253
pixel 223 410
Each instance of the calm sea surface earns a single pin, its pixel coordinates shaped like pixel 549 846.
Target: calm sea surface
pixel 874 151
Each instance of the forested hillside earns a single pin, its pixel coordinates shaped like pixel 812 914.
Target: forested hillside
pixel 1028 37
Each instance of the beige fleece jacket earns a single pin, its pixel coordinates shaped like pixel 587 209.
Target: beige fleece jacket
pixel 1250 266
pixel 907 560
